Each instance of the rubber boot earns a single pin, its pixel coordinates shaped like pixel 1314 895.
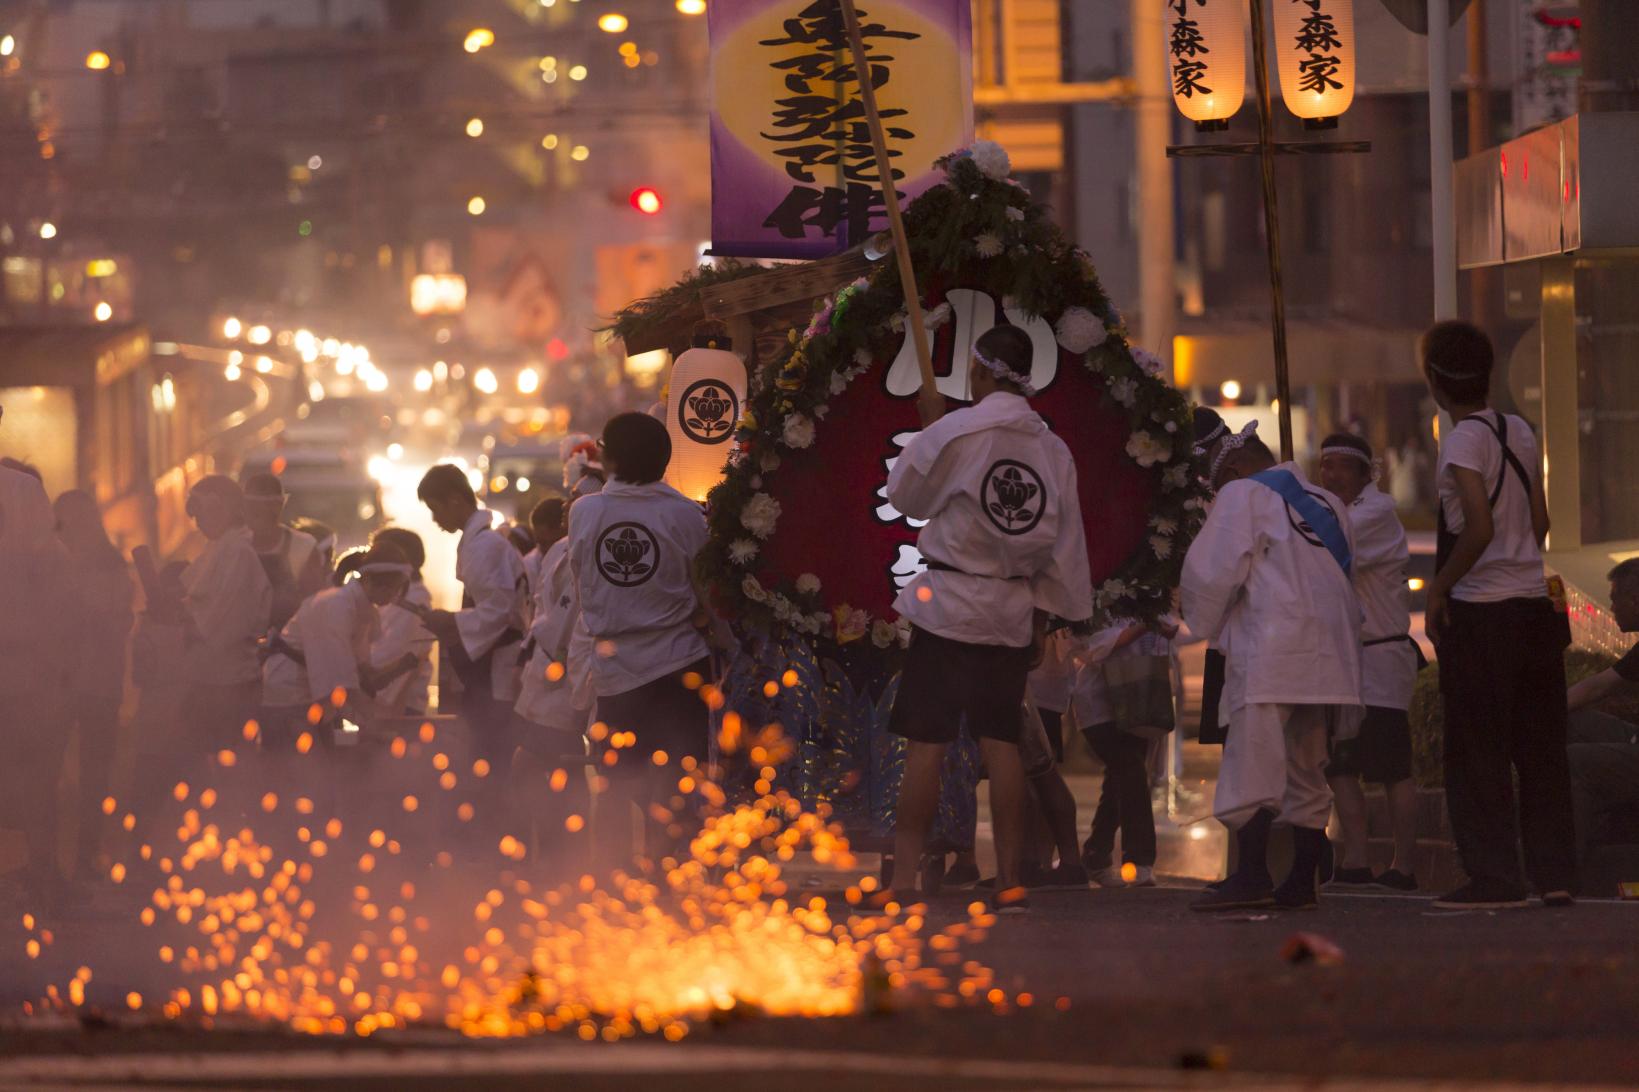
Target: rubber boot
pixel 1300 889
pixel 1249 886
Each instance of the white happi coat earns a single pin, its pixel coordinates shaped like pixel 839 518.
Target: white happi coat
pixel 402 631
pixel 227 594
pixel 34 582
pixel 1262 586
pixel 332 632
pixel 1388 668
pixel 547 696
pixel 631 556
pixel 998 490
pixel 495 594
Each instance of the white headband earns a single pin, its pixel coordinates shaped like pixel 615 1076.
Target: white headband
pixel 1002 371
pixel 1233 442
pixel 1204 442
pixel 1345 449
pixel 391 567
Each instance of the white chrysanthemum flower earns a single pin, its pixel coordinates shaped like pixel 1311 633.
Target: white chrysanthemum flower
pixel 883 633
pixel 1175 477
pixel 1079 330
pixel 798 431
pixel 938 316
pixel 753 589
pixel 741 551
pixel 1124 391
pixel 988 245
pixel 1164 525
pixel 839 382
pixel 760 514
pixel 1161 546
pixel 1112 590
pixel 862 358
pixel 1148 361
pixel 808 584
pixel 1015 214
pixel 991 159
pixel 1146 449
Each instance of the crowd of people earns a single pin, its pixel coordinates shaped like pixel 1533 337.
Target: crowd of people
pixel 583 641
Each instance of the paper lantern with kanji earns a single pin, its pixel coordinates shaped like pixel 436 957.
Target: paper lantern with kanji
pixel 707 393
pixel 1314 44
pixel 1206 40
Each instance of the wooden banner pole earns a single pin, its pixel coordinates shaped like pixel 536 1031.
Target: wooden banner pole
pixel 1271 224
pixel 890 198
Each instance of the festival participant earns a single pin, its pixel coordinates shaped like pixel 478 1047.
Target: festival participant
pixel 483 639
pixel 1268 578
pixel 228 602
pixel 291 559
pixel 547 525
pixel 1381 752
pixel 323 534
pixel 35 668
pixel 402 630
pixel 101 610
pixel 1006 551
pixel 1124 804
pixel 551 727
pixel 323 652
pixel 1212 436
pixel 1501 640
pixel 631 560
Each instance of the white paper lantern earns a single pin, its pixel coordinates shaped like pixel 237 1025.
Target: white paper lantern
pixel 1314 45
pixel 1206 40
pixel 703 405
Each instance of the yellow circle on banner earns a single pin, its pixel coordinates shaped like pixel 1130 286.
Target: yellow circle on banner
pixel 924 79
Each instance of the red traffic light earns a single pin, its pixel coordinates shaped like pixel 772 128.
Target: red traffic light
pixel 646 199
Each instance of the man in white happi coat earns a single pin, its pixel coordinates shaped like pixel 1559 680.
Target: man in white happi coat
pixel 323 653
pixel 1006 550
pixel 1381 750
pixel 228 602
pixel 483 639
pixel 1268 579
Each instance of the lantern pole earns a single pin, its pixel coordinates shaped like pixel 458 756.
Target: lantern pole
pixel 1271 230
pixel 890 198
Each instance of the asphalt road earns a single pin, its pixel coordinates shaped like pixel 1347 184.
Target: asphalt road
pixel 1157 997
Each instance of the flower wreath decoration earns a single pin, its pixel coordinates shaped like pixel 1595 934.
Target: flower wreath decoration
pixel 979 228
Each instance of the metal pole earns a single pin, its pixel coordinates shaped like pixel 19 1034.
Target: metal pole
pixel 1271 229
pixel 1442 195
pixel 890 197
pixel 1156 292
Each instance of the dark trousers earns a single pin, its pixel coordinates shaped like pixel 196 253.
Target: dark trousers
pixel 1124 801
pixel 1604 772
pixel 1502 681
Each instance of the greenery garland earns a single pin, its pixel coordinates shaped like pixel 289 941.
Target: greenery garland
pixel 978 229
pixel 643 321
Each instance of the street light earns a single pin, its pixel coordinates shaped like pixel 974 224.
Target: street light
pixel 692 7
pixel 97 60
pixel 103 311
pixel 8 46
pixel 646 199
pixel 476 206
pixel 612 22
pixel 475 127
pixel 48 230
pixel 478 38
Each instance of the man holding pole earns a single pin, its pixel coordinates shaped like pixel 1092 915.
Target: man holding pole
pixel 1006 550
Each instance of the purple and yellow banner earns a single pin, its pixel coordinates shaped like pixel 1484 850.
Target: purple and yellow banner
pixel 792 173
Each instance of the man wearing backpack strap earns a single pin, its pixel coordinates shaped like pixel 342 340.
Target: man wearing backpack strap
pixel 1268 580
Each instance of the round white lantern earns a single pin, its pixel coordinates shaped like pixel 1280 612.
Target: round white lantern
pixel 1206 40
pixel 703 405
pixel 1314 46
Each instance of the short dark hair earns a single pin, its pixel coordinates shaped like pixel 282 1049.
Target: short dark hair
pixel 1008 345
pixel 348 564
pixel 1350 440
pixel 548 513
pixel 1255 446
pixel 263 485
pixel 1624 572
pixel 22 468
pixel 220 485
pixel 406 541
pixel 1457 358
pixel 638 446
pixel 1208 422
pixel 444 481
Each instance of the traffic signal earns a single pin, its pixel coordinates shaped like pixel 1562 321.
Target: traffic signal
pixel 646 199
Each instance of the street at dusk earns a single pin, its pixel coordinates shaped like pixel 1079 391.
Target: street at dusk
pixel 842 544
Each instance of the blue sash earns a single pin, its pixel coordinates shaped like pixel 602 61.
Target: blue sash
pixel 1318 516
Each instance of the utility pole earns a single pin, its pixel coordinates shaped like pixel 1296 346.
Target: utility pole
pixel 1440 154
pixel 1483 281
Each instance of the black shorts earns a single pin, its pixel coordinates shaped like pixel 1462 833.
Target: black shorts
pixel 664 714
pixel 944 681
pixel 1380 754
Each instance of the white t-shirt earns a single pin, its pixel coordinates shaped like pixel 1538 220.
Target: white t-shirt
pixel 1511 567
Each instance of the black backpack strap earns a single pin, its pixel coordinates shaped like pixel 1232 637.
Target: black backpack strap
pixel 1510 460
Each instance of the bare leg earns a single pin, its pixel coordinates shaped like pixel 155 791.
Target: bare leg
pixel 1403 821
pixel 1058 807
pixel 1350 800
pixel 1007 803
pixel 913 816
